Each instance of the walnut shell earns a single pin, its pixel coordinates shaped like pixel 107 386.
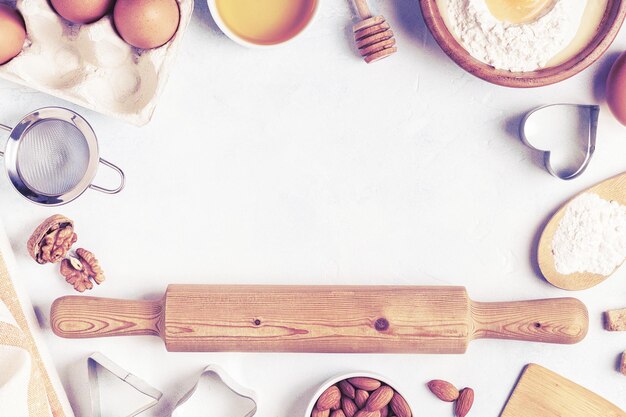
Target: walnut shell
pixel 52 239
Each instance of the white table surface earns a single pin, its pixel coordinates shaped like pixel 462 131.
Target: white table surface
pixel 303 165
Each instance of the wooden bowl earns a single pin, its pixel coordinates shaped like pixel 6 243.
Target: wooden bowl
pixel 607 31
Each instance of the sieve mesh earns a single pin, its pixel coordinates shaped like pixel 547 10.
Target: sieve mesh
pixel 53 157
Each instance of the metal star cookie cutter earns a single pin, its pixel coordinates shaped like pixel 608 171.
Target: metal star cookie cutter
pixel 191 405
pixel 543 121
pixel 98 360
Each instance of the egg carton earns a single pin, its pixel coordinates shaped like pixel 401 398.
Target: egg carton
pixel 90 65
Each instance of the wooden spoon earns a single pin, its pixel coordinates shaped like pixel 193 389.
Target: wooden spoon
pixel 372 35
pixel 612 189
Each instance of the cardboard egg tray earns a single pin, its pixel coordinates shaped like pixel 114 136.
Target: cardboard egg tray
pixel 91 65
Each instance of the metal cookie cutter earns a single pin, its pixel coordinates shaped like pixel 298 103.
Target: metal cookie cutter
pixel 98 360
pixel 235 400
pixel 565 133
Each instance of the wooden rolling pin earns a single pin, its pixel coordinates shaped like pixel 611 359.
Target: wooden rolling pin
pixel 375 319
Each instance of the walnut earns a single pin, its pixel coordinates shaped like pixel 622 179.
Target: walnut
pixel 52 239
pixel 80 270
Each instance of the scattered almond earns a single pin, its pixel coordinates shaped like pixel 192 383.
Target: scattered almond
pixel 443 390
pixel 622 365
pixel 379 398
pixel 399 406
pixel 347 389
pixel 364 383
pixel 360 398
pixel 348 406
pixel 329 398
pixel 464 402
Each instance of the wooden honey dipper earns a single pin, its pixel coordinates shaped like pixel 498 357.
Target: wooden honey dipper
pixel 372 34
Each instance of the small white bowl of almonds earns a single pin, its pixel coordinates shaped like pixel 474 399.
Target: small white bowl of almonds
pixel 358 394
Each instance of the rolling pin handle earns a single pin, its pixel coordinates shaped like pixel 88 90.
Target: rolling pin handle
pixel 78 317
pixel 560 320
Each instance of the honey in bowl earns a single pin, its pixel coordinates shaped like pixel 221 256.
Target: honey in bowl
pixel 266 22
pixel 518 11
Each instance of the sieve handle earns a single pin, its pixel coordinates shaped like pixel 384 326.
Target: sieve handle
pixel 107 190
pixel 8 129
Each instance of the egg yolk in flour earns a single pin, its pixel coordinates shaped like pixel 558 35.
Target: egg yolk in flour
pixel 518 11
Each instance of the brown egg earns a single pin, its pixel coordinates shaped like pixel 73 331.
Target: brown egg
pixel 146 23
pixel 82 11
pixel 12 33
pixel 616 89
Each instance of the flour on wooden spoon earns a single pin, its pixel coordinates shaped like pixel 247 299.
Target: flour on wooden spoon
pixel 591 236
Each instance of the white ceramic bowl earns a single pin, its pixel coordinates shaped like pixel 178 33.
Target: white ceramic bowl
pixel 244 42
pixel 336 379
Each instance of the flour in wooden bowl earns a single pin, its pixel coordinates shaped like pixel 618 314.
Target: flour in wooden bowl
pixel 520 47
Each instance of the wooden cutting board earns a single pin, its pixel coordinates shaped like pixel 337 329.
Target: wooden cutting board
pixel 543 393
pixel 291 318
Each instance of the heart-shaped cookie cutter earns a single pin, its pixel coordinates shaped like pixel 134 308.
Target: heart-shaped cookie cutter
pixel 587 114
pixel 186 407
pixel 98 360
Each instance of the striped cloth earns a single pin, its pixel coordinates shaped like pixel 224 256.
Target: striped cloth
pixel 26 385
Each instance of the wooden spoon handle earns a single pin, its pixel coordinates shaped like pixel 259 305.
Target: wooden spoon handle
pixel 82 317
pixel 363 9
pixel 559 320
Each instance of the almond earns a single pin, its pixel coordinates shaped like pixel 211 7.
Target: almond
pixel 348 406
pixel 364 383
pixel 379 398
pixel 347 389
pixel 365 413
pixel 318 413
pixel 329 398
pixel 464 403
pixel 443 390
pixel 360 398
pixel 399 406
pixel 337 413
pixel 384 412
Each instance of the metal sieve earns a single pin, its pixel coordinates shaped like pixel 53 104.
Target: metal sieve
pixel 51 157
